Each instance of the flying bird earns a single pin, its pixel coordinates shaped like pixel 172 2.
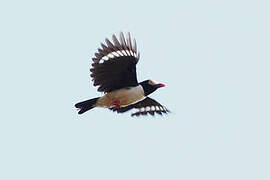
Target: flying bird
pixel 114 72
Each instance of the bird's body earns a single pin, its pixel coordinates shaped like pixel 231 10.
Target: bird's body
pixel 122 97
pixel 114 71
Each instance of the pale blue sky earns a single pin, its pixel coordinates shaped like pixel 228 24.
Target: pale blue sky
pixel 212 55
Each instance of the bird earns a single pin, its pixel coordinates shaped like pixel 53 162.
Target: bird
pixel 114 72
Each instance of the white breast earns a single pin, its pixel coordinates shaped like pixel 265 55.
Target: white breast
pixel 126 96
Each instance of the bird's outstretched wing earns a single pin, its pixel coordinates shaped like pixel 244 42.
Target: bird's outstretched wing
pixel 144 107
pixel 114 65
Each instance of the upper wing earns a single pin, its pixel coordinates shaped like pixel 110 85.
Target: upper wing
pixel 114 66
pixel 144 107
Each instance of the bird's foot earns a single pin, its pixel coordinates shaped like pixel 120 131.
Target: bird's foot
pixel 116 103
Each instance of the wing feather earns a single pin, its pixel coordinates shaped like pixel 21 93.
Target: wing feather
pixel 144 107
pixel 114 64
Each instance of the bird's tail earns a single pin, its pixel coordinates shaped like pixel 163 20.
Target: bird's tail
pixel 86 105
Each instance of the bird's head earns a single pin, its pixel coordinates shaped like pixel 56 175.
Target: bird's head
pixel 150 86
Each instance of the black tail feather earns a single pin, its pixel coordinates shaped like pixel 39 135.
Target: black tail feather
pixel 86 105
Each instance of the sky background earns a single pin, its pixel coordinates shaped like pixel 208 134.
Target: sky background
pixel 213 56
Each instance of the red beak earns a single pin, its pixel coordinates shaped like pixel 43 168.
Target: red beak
pixel 160 85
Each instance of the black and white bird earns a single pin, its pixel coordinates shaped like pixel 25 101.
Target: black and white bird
pixel 114 71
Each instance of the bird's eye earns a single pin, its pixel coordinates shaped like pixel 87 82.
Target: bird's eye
pixel 151 82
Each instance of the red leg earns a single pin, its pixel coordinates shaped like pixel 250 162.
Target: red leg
pixel 116 103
